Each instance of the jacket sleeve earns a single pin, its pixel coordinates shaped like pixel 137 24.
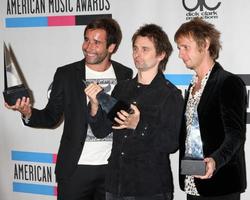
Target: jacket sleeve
pixel 101 126
pixel 233 113
pixel 51 115
pixel 165 131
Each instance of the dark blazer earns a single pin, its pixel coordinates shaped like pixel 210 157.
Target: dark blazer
pixel 68 100
pixel 222 118
pixel 139 164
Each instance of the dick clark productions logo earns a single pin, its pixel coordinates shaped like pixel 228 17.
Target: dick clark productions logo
pixel 201 4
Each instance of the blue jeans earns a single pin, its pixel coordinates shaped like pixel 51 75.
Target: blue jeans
pixel 166 196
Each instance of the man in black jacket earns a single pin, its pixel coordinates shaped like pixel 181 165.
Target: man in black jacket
pixel 139 165
pixel 216 110
pixel 78 173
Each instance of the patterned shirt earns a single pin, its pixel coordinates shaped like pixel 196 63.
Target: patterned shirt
pixel 191 121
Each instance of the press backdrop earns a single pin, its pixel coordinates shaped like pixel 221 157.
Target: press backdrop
pixel 46 34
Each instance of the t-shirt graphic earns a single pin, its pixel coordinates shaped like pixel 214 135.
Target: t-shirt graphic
pixel 97 151
pixel 107 85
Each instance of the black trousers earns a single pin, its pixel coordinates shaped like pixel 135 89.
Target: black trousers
pixel 87 183
pixel 233 196
pixel 166 196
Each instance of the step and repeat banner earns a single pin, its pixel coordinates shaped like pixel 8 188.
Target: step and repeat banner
pixel 42 35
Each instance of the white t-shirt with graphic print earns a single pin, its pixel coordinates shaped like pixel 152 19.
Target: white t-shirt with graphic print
pixel 97 151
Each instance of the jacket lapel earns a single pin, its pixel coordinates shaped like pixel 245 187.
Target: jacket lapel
pixel 210 86
pixel 80 76
pixel 118 73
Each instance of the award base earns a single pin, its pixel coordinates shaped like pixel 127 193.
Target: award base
pixel 193 167
pixel 11 94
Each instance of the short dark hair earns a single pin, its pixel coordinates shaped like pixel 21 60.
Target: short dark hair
pixel 111 27
pixel 200 30
pixel 160 40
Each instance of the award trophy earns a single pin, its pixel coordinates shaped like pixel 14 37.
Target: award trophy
pixel 192 163
pixel 14 87
pixel 111 105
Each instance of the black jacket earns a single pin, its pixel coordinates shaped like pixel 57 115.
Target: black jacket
pixel 222 118
pixel 68 99
pixel 139 163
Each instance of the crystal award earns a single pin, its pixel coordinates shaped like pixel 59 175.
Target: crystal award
pixel 192 163
pixel 14 87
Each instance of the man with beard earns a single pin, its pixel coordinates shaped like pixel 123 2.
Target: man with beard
pixel 82 158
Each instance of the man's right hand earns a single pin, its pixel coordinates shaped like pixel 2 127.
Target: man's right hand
pixel 23 106
pixel 91 91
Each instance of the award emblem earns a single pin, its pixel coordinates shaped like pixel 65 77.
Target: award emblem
pixel 14 83
pixel 192 163
pixel 111 105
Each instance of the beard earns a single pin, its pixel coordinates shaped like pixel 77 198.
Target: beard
pixel 96 59
pixel 145 66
